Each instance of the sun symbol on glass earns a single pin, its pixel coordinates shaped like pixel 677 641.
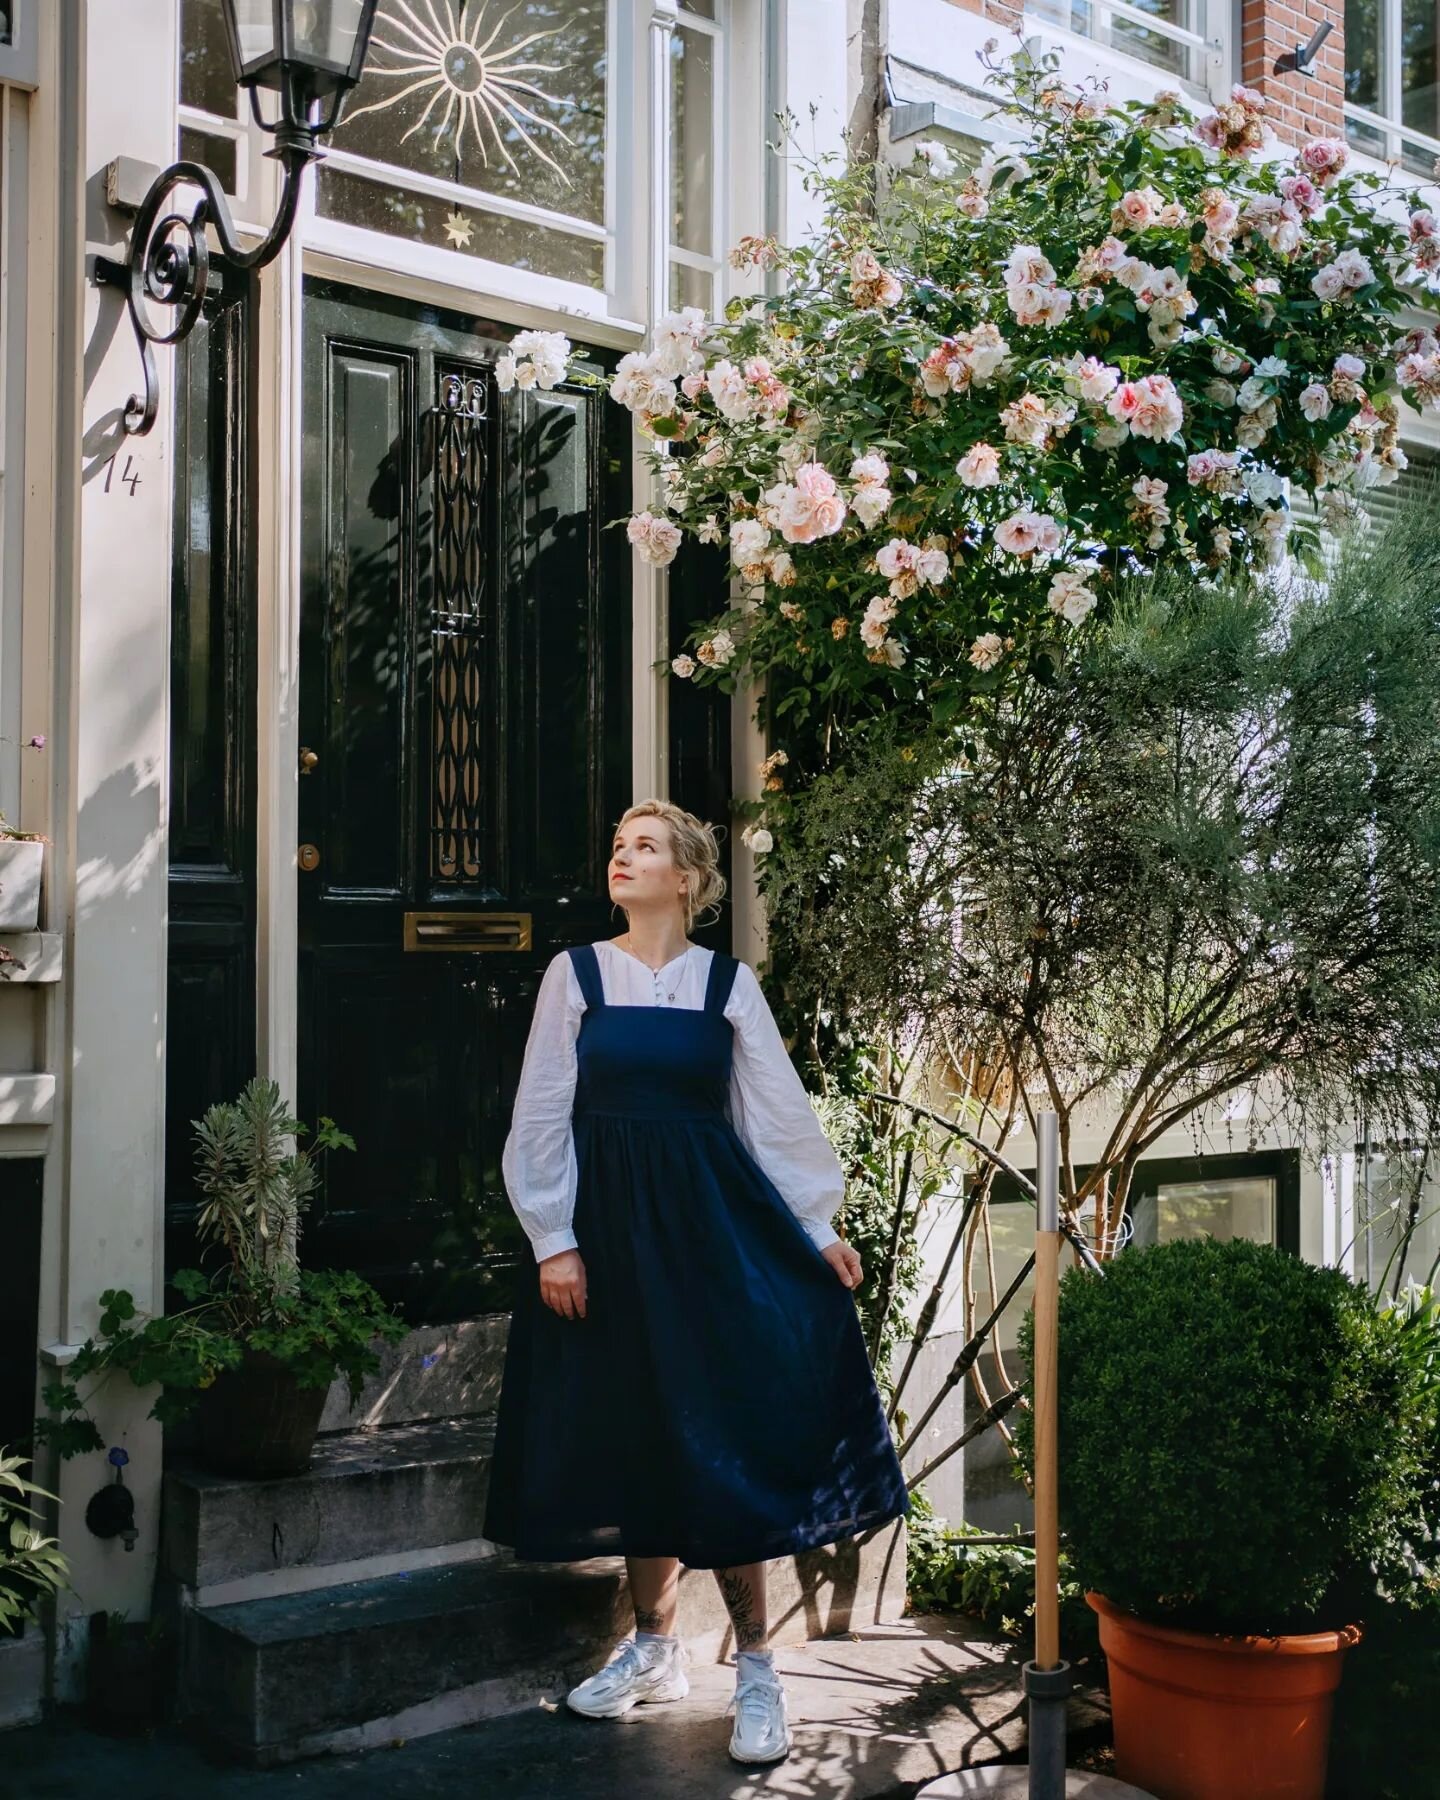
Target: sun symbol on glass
pixel 478 88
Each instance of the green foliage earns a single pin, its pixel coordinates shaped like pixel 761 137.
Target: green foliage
pixel 328 1329
pixel 873 1160
pixel 31 1565
pixel 946 1571
pixel 320 1324
pixel 1383 1743
pixel 1243 1435
pixel 1145 873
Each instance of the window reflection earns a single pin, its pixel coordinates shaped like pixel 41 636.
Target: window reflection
pixel 1217 1209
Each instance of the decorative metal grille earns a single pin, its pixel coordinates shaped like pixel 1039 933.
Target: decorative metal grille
pixel 458 630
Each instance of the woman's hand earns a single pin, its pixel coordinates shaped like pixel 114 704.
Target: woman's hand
pixel 562 1284
pixel 846 1263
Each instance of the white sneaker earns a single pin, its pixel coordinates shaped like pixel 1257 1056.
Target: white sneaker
pixel 636 1675
pixel 762 1731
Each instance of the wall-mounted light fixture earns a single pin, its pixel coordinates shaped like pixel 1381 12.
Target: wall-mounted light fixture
pixel 1300 58
pixel 311 53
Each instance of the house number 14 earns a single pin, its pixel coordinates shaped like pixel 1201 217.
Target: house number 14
pixel 130 476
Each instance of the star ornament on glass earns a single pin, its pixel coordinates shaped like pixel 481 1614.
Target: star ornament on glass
pixel 459 230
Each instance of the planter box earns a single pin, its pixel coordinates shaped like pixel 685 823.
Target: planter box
pixel 21 860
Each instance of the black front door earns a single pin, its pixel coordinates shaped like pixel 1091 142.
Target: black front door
pixel 465 732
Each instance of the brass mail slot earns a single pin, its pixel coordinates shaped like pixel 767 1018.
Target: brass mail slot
pixel 469 931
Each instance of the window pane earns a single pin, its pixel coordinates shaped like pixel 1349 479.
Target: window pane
pixel 702 9
pixel 1417 67
pixel 420 218
pixel 1088 20
pixel 1012 1236
pixel 1240 1208
pixel 217 153
pixel 1366 138
pixel 692 287
pixel 504 102
pixel 1400 1205
pixel 692 177
pixel 1151 46
pixel 7 27
pixel 207 80
pixel 1362 54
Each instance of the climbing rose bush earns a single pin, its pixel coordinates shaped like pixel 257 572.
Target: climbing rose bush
pixel 979 401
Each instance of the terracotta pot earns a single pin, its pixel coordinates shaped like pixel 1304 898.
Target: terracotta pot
pixel 1220 1718
pixel 257 1420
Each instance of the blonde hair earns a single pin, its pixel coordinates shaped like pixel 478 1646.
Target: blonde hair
pixel 695 850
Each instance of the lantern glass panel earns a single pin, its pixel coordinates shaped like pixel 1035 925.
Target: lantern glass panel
pixel 254 27
pixel 324 31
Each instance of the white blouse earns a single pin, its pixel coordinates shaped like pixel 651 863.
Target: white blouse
pixel 767 1103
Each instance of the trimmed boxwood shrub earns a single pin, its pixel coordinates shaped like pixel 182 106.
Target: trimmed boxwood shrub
pixel 1241 1435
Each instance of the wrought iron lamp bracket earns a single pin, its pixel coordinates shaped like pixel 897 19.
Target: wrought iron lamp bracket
pixel 168 261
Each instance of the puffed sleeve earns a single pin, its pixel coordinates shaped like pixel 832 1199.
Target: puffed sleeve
pixel 538 1162
pixel 773 1117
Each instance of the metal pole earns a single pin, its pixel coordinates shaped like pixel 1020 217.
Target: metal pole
pixel 1047 1678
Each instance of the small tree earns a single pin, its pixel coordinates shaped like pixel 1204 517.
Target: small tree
pixel 1204 858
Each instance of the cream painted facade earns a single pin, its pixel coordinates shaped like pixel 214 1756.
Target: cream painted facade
pixel 85 629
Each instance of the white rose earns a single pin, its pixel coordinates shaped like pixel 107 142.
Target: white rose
pixel 1315 401
pixel 748 539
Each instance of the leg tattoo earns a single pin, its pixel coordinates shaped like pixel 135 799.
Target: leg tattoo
pixel 738 1591
pixel 649 1618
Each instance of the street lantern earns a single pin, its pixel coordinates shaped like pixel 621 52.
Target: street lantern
pixel 310 53
pixel 308 48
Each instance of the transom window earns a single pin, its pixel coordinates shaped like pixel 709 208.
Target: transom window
pixel 481 127
pixel 1392 101
pixel 498 130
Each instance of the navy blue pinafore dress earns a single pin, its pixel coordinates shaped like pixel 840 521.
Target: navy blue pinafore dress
pixel 716 1404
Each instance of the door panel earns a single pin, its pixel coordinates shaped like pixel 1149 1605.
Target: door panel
pixel 210 1004
pixel 464 692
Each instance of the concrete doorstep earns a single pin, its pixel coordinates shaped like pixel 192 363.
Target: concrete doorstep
pixel 876 1714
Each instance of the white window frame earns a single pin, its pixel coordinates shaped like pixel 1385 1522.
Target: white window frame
pixel 1393 135
pixel 614 311
pixel 1211 44
pixel 676 256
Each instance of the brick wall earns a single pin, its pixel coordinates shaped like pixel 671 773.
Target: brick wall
pixel 1006 13
pixel 1298 105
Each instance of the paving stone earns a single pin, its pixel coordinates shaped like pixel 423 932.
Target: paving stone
pixel 876 1716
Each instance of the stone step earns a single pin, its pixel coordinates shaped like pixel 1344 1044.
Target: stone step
pixel 354 1666
pixel 367 1494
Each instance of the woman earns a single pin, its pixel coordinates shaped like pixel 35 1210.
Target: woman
pixel 687 1382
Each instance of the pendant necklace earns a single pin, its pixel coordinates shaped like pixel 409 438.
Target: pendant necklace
pixel 683 960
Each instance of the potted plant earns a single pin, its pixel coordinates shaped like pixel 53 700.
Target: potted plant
pixel 256 1352
pixel 22 857
pixel 1242 1437
pixel 32 1568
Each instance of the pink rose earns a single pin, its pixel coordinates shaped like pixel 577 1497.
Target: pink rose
pixel 979 467
pixel 815 481
pixel 1125 402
